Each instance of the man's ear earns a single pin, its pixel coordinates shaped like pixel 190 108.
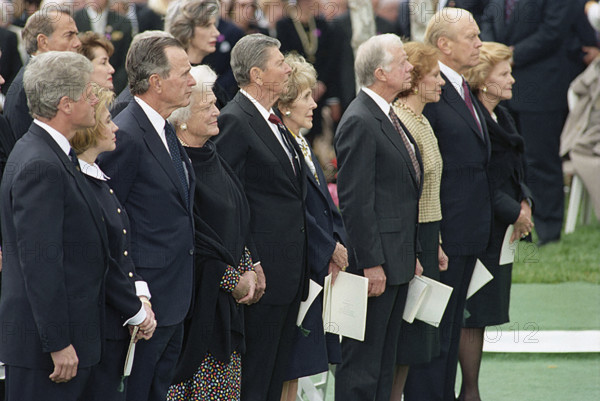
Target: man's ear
pixel 444 44
pixel 380 74
pixel 42 43
pixel 65 105
pixel 156 83
pixel 256 75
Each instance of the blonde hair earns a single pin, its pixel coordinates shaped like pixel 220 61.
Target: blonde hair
pixel 490 54
pixel 303 76
pixel 88 138
pixel 424 58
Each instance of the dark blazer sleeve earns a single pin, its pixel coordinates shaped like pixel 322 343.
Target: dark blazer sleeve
pixel 547 37
pixel 16 109
pixel 356 185
pixel 44 279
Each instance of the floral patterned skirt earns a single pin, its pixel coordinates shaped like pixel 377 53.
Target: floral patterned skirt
pixel 214 380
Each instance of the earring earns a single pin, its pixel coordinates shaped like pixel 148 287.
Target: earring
pixel 183 126
pixel 416 91
pixel 287 113
pixel 484 89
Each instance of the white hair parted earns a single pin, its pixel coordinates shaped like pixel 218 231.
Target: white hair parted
pixel 53 75
pixel 374 53
pixel 205 80
pixel 251 51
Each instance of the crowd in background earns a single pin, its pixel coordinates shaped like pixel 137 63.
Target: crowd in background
pixel 229 152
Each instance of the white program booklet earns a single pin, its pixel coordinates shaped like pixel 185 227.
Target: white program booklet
pixel 434 303
pixel 481 276
pixel 345 305
pixel 508 250
pixel 417 289
pixel 314 290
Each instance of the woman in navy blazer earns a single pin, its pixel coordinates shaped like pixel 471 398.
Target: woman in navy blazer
pixel 312 349
pixel 123 307
pixel 492 81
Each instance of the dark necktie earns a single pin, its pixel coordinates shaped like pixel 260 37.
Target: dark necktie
pixel 74 159
pixel 469 103
pixel 283 131
pixel 173 144
pixel 407 144
pixel 509 7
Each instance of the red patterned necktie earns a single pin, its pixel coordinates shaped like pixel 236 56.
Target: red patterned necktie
pixel 407 145
pixel 469 103
pixel 509 7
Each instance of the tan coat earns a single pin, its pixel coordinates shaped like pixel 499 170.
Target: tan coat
pixel 580 139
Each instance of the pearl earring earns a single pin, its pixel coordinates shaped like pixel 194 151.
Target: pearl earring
pixel 183 126
pixel 484 89
pixel 416 91
pixel 287 113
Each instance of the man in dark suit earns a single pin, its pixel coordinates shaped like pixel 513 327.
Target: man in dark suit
pixel 538 33
pixel 96 16
pixel 154 180
pixel 10 63
pixel 260 151
pixel 465 194
pixel 54 242
pixel 47 29
pixel 379 184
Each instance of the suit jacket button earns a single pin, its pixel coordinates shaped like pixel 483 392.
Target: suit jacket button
pixel 191 251
pixel 119 210
pixel 130 274
pixel 125 253
pixel 124 231
pixel 111 191
pixel 302 229
pixel 325 212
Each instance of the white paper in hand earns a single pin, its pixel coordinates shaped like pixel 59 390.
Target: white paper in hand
pixel 314 290
pixel 345 305
pixel 507 253
pixel 434 303
pixel 417 289
pixel 130 353
pixel 481 276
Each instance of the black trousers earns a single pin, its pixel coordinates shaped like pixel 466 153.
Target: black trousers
pixel 435 381
pixel 541 132
pixel 23 384
pixel 367 368
pixel 154 364
pixel 270 331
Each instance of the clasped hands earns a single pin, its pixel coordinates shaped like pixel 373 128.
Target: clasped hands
pixel 251 286
pixel 523 225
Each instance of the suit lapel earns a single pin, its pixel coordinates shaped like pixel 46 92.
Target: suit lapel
pixel 264 132
pixel 158 150
pixel 454 100
pixel 79 180
pixel 389 131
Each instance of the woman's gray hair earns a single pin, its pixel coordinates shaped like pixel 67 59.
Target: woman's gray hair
pixel 251 51
pixel 184 15
pixel 51 76
pixel 146 57
pixel 42 22
pixel 205 80
pixel 373 54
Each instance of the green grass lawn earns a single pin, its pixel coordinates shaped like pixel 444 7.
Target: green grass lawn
pixel 576 257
